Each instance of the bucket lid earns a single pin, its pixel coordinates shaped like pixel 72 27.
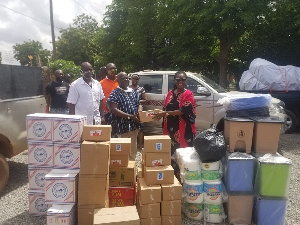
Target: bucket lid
pixel 266 120
pixel 274 159
pixel 240 156
pixel 237 119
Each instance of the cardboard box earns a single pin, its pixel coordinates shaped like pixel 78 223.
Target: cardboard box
pixel 157 143
pixel 96 133
pixel 118 202
pixel 148 210
pixel 151 221
pixel 36 177
pixel 121 192
pixel 123 176
pixel 40 153
pixel 140 172
pixel 171 220
pixel 61 214
pixel 94 157
pixel 118 215
pixel 148 194
pixel 159 175
pixel 86 214
pixel 119 160
pixel 157 159
pixel 39 127
pixel 61 186
pixel 93 189
pixel 37 206
pixel 120 146
pixel 240 134
pixel 66 156
pixel 171 192
pixel 171 208
pixel 146 116
pixel 239 208
pixel 266 136
pixel 68 128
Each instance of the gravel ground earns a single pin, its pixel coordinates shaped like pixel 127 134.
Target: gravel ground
pixel 14 198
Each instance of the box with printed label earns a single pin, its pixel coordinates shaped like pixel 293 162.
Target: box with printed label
pixel 117 216
pixel 96 133
pixel 171 220
pixel 119 160
pixel 40 153
pixel 121 192
pixel 148 194
pixel 39 127
pixel 148 210
pixel 61 186
pixel 68 128
pixel 36 177
pixel 118 202
pixel 61 214
pixel 120 146
pixel 122 176
pixel 151 221
pixel 157 143
pixel 159 175
pixel 171 192
pixel 86 213
pixel 94 157
pixel 66 155
pixel 93 189
pixel 157 159
pixel 171 208
pixel 146 116
pixel 37 205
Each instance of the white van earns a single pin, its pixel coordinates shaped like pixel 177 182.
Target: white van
pixel 206 92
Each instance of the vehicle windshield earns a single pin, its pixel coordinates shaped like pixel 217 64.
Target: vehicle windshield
pixel 211 83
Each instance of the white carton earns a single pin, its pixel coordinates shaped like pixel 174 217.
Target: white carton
pixel 61 186
pixel 68 129
pixel 37 205
pixel 36 177
pixel 61 214
pixel 39 127
pixel 40 153
pixel 66 155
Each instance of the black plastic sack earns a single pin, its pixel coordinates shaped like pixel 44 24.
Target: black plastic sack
pixel 210 145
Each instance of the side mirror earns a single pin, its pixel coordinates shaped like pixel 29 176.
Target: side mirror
pixel 203 91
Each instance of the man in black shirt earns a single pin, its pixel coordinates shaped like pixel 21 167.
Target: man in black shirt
pixel 57 93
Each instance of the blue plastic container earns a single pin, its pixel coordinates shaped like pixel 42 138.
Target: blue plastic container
pixel 239 172
pixel 270 211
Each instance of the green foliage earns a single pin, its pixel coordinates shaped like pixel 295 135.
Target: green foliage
pixel 66 66
pixel 23 52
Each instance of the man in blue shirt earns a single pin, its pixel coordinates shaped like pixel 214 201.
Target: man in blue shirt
pixel 123 103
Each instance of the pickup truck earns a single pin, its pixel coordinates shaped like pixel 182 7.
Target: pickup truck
pixel 206 93
pixel 21 94
pixel 291 100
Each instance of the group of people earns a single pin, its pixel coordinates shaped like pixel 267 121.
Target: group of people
pixel 112 101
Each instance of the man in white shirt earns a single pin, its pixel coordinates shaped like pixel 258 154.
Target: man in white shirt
pixel 86 96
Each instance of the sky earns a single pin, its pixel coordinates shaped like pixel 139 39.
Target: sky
pixel 24 20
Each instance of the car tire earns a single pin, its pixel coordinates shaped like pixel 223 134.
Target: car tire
pixel 291 122
pixel 4 172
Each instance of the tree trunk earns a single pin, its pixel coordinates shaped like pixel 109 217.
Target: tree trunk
pixel 225 46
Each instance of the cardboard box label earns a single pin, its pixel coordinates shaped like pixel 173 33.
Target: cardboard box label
pixel 158 146
pixel 160 176
pixel 96 132
pixel 116 162
pixel 157 162
pixel 119 202
pixel 118 148
pixel 149 113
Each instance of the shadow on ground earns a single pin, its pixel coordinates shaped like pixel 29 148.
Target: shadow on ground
pixel 26 220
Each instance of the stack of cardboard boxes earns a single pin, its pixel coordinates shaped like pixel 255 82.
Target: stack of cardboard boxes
pixel 122 177
pixel 94 171
pixel 159 192
pixel 54 162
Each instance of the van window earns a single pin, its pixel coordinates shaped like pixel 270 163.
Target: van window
pixel 152 83
pixel 191 84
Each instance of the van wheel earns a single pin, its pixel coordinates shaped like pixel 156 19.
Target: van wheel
pixel 291 122
pixel 4 172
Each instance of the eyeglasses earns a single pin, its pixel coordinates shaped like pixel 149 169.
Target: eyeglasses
pixel 180 79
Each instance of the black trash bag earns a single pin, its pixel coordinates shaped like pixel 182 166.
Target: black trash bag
pixel 210 145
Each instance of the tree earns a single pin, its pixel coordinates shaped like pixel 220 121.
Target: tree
pixel 66 66
pixel 31 53
pixel 74 44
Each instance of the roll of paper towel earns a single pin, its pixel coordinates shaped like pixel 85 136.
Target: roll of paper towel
pixel 212 192
pixel 193 191
pixel 210 175
pixel 213 213
pixel 211 166
pixel 192 168
pixel 194 211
